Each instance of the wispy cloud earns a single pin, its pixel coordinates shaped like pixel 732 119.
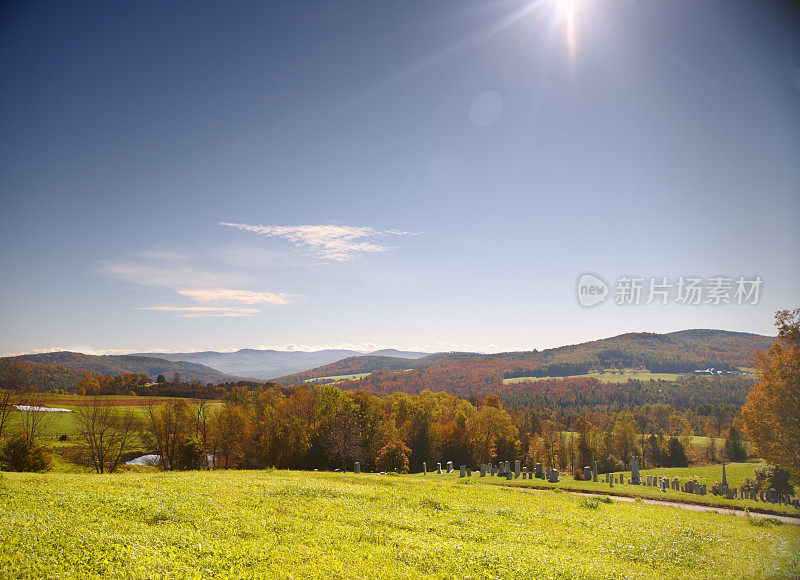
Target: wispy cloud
pixel 174 270
pixel 228 295
pixel 204 311
pixel 330 242
pixel 172 275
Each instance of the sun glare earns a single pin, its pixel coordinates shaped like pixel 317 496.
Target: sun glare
pixel 567 9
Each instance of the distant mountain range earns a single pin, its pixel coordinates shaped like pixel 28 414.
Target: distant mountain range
pixel 393 370
pixel 269 364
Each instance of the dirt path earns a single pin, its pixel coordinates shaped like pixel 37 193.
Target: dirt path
pixel 686 506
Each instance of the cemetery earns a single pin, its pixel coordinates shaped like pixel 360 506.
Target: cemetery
pixel 673 489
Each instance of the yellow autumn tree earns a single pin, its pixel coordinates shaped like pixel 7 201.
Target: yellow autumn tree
pixel 772 413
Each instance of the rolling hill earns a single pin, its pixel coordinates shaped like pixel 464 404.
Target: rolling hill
pixel 115 365
pixel 470 373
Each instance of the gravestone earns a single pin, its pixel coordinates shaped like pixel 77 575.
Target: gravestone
pixel 357 467
pixel 676 485
pixel 462 471
pixel 622 479
pixel 724 478
pixel 483 470
pixel 469 472
pixel 649 480
pixel 587 473
pixel 438 468
pixel 635 471
pixel 539 472
pixel 449 467
pixel 552 476
pixel 517 469
pixel 594 472
pixel 424 468
pixel 611 480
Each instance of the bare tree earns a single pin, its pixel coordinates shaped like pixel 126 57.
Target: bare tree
pixel 9 396
pixel 7 400
pixel 107 434
pixel 34 419
pixel 168 425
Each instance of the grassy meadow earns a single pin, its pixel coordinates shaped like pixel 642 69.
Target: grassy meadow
pixel 610 376
pixel 282 524
pixel 736 473
pixel 338 378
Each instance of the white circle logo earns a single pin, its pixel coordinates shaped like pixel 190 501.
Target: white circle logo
pixel 591 290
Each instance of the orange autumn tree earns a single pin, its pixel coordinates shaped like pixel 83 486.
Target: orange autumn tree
pixel 772 413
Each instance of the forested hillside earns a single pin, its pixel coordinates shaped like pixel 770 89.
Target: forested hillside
pixel 67 363
pixel 466 374
pixel 20 374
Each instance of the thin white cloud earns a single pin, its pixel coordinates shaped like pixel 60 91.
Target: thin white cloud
pixel 228 295
pixel 169 270
pixel 168 275
pixel 204 311
pixel 166 255
pixel 330 242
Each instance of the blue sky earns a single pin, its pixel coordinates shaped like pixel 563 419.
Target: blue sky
pixel 428 175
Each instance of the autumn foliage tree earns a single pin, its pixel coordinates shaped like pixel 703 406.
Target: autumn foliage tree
pixel 772 413
pixel 393 457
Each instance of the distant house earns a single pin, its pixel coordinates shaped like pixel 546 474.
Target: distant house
pixel 713 371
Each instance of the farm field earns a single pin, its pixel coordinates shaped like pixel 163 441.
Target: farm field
pixel 606 377
pixel 58 424
pixel 282 524
pixel 55 425
pixel 337 378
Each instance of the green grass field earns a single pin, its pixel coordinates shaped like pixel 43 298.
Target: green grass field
pixel 736 473
pixel 338 378
pixel 279 524
pixel 57 424
pixel 606 377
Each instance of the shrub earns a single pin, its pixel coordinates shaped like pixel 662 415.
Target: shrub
pixel 769 476
pixel 190 455
pixel 578 475
pixel 20 454
pixel 393 457
pixel 591 503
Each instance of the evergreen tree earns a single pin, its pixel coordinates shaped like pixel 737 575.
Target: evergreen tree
pixel 733 448
pixel 676 454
